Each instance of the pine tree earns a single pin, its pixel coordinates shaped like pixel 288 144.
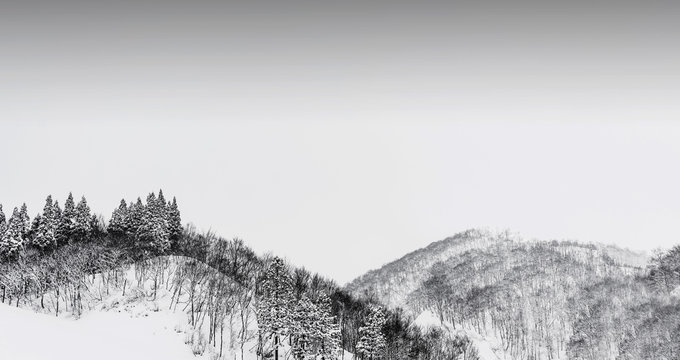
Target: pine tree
pixel 3 222
pixel 48 210
pixel 371 343
pixel 174 222
pixel 24 221
pixel 35 225
pixel 68 220
pixel 82 228
pixel 44 229
pixel 12 241
pixel 117 223
pixel 162 205
pixel 43 233
pixel 134 218
pixel 275 307
pixel 152 234
pixel 329 330
pixel 152 205
pixel 56 218
pixel 305 327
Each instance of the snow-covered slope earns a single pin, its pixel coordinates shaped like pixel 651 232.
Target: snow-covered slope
pixel 141 322
pixel 102 335
pixel 488 347
pixel 392 283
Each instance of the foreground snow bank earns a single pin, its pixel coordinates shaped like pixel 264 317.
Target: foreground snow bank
pixel 26 335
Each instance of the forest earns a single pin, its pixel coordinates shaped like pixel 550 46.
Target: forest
pixel 545 299
pixel 67 260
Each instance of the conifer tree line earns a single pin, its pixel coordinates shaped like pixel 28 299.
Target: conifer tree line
pixel 49 229
pixel 150 228
pixel 301 316
pixel 153 227
pixel 304 323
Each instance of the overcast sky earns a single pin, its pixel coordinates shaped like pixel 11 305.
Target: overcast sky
pixel 344 134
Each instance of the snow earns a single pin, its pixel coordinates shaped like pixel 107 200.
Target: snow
pixel 426 320
pixel 26 335
pixel 488 347
pixel 676 292
pixel 136 326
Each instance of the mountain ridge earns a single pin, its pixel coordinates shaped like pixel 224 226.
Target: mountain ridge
pixel 418 263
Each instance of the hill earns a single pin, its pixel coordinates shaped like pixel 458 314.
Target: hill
pixel 227 301
pixel 533 299
pixel 392 283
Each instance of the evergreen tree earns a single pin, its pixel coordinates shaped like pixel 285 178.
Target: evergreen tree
pixel 35 225
pixel 68 220
pixel 117 223
pixel 162 205
pixel 24 221
pixel 305 326
pixel 134 220
pixel 151 205
pixel 44 229
pixel 43 232
pixel 3 222
pixel 152 234
pixel 56 217
pixel 371 343
pixel 174 221
pixel 12 241
pixel 328 330
pixel 48 210
pixel 82 228
pixel 275 307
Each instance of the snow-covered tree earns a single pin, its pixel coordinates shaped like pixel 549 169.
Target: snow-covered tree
pixel 162 205
pixel 68 220
pixel 57 216
pixel 134 218
pixel 43 232
pixel 153 234
pixel 24 221
pixel 275 308
pixel 174 221
pixel 44 228
pixel 151 204
pixel 12 240
pixel 3 222
pixel 117 223
pixel 304 327
pixel 371 343
pixel 83 221
pixel 48 209
pixel 329 342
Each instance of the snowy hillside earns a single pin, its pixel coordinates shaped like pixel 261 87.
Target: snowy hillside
pixel 392 283
pixel 513 299
pixel 102 335
pixel 134 316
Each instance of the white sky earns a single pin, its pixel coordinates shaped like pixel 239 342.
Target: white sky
pixel 345 134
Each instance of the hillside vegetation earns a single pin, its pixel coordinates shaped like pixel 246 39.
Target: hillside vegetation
pixel 539 300
pixel 232 303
